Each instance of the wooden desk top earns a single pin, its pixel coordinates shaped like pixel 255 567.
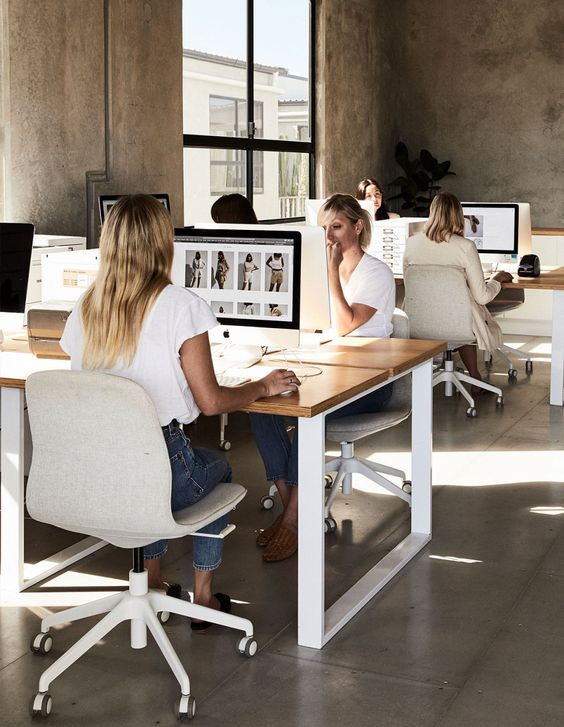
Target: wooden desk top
pixel 549 279
pixel 319 393
pixel 16 366
pixel 394 355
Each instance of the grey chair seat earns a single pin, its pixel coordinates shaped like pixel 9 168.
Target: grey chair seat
pixel 349 429
pixel 353 428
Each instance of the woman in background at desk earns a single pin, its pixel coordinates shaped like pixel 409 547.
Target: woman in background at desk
pixel 233 208
pixel 443 243
pixel 133 322
pixel 362 293
pixel 370 189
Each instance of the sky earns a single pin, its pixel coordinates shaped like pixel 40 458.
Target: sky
pixel 281 30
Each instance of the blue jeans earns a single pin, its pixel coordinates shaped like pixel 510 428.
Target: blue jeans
pixel 280 453
pixel 195 472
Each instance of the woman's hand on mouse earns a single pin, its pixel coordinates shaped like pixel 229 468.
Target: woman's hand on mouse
pixel 280 380
pixel 503 277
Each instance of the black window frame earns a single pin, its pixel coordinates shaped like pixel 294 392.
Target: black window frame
pixel 249 144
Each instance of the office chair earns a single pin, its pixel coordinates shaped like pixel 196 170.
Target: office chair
pixel 101 467
pixel 438 303
pixel 347 430
pixel 507 300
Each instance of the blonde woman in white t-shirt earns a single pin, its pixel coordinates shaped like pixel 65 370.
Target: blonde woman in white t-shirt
pixel 133 322
pixel 362 293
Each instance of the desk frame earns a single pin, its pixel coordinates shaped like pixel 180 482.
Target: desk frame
pixel 557 363
pixel 12 505
pixel 316 626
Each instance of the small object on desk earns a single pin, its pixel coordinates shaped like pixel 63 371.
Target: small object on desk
pixel 288 393
pixel 529 266
pixel 228 380
pixel 45 326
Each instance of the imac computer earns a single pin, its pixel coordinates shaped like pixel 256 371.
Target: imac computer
pixel 315 311
pixel 500 230
pixel 250 277
pixel 16 242
pixel 106 202
pixel 313 206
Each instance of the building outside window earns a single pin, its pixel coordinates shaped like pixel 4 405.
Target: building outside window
pixel 247 105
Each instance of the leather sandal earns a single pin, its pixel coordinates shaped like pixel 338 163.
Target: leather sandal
pixel 224 606
pixel 282 545
pixel 266 535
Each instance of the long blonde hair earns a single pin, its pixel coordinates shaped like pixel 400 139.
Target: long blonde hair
pixel 446 218
pixel 350 208
pixel 136 251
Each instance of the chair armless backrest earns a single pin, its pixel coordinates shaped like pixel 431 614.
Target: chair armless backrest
pixel 401 396
pixel 100 462
pixel 438 303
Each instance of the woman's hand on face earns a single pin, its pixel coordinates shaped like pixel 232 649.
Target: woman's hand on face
pixel 334 254
pixel 280 380
pixel 503 277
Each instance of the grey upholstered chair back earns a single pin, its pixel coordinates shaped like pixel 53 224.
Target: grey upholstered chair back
pixel 100 464
pixel 358 426
pixel 438 303
pixel 401 396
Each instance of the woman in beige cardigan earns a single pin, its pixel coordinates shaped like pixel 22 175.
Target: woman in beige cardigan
pixel 443 243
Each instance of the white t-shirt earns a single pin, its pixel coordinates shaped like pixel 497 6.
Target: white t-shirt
pixel 177 315
pixel 372 283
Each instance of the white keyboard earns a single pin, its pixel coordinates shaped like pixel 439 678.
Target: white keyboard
pixel 228 380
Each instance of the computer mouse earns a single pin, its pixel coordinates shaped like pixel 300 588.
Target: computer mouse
pixel 288 393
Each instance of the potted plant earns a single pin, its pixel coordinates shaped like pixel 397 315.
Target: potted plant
pixel 418 185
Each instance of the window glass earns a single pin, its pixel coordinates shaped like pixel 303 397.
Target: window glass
pixel 281 68
pixel 285 184
pixel 209 173
pixel 214 58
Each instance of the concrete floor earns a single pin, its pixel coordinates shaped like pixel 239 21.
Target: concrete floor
pixel 469 634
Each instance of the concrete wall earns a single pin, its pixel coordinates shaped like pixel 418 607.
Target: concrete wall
pixel 480 83
pixel 352 63
pixel 61 129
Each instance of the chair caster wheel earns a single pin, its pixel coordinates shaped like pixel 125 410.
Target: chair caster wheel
pixel 247 646
pixel 328 482
pixel 471 411
pixel 406 487
pixel 512 374
pixel 266 502
pixel 330 525
pixel 186 707
pixel 225 445
pixel 163 616
pixel 499 402
pixel 41 644
pixel 41 705
pixel 529 367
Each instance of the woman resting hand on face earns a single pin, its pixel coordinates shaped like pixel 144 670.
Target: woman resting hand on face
pixel 362 293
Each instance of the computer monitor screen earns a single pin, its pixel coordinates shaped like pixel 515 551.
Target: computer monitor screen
pixel 314 205
pixel 249 277
pixel 493 227
pixel 106 202
pixel 16 242
pixel 315 309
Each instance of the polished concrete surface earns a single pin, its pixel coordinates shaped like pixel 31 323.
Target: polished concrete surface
pixel 469 635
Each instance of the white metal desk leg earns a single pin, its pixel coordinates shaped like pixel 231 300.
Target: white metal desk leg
pixel 311 533
pixel 557 363
pixel 12 489
pixel 421 448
